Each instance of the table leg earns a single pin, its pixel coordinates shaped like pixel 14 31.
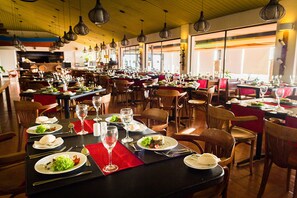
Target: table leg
pixel 66 108
pixel 8 98
pixel 257 93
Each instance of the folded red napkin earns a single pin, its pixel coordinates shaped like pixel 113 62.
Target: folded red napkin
pixel 121 156
pixel 88 124
pixel 282 105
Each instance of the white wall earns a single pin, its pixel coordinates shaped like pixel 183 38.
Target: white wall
pixel 8 58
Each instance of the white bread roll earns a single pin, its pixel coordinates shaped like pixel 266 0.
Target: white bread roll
pixel 42 119
pixel 47 139
pixel 207 158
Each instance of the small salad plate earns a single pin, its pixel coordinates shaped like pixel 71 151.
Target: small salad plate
pixel 169 143
pixel 136 127
pixel 192 162
pixel 56 127
pixel 41 165
pixel 115 117
pixel 58 142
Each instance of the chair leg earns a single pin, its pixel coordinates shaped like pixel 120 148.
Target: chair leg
pixel 266 171
pixel 252 156
pixel 295 187
pixel 288 179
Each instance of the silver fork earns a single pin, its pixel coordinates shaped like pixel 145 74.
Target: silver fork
pixel 134 147
pixel 34 156
pixel 172 153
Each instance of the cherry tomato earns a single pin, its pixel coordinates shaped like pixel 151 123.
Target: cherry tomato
pixel 75 159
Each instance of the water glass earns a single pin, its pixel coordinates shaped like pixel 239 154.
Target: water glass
pixel 82 112
pixel 279 93
pixel 96 100
pixel 263 90
pixel 109 139
pixel 127 118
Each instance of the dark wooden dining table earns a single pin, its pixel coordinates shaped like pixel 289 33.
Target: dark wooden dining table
pixel 159 176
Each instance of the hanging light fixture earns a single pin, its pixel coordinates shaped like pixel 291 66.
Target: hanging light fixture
pixel 59 42
pixel 90 49
pixel 84 50
pixel 125 41
pixel 96 48
pixel 71 36
pixel 113 44
pixel 141 38
pixel 15 41
pixel 201 25
pixel 103 46
pixel 98 15
pixel 165 33
pixel 273 11
pixel 64 38
pixel 81 28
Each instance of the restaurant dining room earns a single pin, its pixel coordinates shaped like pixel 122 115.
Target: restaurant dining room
pixel 148 98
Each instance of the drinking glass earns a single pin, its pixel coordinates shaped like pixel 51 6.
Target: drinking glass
pixel 82 112
pixel 127 118
pixel 96 100
pixel 263 90
pixel 109 139
pixel 279 93
pixel 50 81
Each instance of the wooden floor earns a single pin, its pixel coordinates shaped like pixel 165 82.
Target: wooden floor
pixel 242 184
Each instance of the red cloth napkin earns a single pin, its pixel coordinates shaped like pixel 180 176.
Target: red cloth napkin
pixel 88 124
pixel 121 156
pixel 282 105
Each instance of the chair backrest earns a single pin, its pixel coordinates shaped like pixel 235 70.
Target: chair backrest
pixel 219 118
pixel 104 82
pixel 105 100
pixel 45 99
pixel 27 112
pixel 157 119
pixel 223 82
pixel 168 99
pixel 253 125
pixel 280 141
pixel 122 86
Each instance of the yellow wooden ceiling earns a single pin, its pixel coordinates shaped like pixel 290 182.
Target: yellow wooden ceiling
pixel 42 15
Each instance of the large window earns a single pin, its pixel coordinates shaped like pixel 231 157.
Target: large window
pixel 241 53
pixel 130 57
pixel 163 56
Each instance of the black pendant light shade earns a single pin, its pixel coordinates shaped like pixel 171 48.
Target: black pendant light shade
pixel 96 48
pixel 103 46
pixel 71 36
pixel 30 1
pixel 125 41
pixel 84 50
pixel 15 41
pixel 141 37
pixel 165 33
pixel 273 11
pixel 81 28
pixel 64 40
pixel 113 44
pixel 59 42
pixel 201 25
pixel 98 15
pixel 90 49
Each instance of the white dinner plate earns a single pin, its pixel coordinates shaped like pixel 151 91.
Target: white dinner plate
pixel 192 162
pixel 58 142
pixel 32 130
pixel 108 120
pixel 169 143
pixel 40 164
pixel 136 127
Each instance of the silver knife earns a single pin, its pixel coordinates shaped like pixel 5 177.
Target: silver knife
pixel 60 178
pixel 37 136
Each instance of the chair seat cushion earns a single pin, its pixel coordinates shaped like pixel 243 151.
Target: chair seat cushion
pixel 242 134
pixel 196 102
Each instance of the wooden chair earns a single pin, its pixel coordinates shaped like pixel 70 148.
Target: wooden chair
pixel 215 141
pixel 122 88
pixel 12 170
pixel 221 118
pixel 104 81
pixel 171 101
pixel 280 149
pixel 156 119
pixel 149 95
pixel 231 90
pixel 27 112
pixel 200 100
pixel 48 100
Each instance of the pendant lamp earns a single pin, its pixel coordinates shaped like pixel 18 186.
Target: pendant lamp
pixel 98 15
pixel 15 41
pixel 125 41
pixel 165 33
pixel 273 11
pixel 81 28
pixel 141 38
pixel 64 40
pixel 90 49
pixel 96 48
pixel 113 44
pixel 60 43
pixel 201 25
pixel 71 36
pixel 103 46
pixel 84 50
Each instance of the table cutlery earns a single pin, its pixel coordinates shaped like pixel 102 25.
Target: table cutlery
pixel 70 126
pixel 86 152
pixel 173 153
pixel 134 147
pixel 34 156
pixel 60 178
pixel 37 136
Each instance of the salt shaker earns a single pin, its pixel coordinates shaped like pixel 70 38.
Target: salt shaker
pixel 96 129
pixel 103 127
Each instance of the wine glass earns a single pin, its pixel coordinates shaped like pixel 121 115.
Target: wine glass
pixel 127 118
pixel 109 139
pixel 50 81
pixel 279 93
pixel 263 90
pixel 96 100
pixel 82 112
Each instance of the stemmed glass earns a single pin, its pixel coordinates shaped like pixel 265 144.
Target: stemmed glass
pixel 82 112
pixel 96 100
pixel 279 93
pixel 263 90
pixel 50 81
pixel 109 139
pixel 127 118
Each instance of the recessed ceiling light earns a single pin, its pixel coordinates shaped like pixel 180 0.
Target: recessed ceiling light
pixel 122 11
pixel 31 1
